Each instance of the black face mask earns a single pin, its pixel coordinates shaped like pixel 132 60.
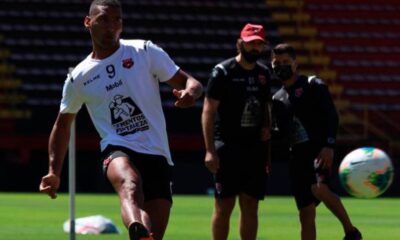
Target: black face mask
pixel 283 72
pixel 250 57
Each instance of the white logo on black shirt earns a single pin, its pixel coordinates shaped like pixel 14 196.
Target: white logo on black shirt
pixel 251 113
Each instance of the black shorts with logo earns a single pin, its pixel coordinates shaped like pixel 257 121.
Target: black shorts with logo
pixel 242 170
pixel 154 169
pixel 304 173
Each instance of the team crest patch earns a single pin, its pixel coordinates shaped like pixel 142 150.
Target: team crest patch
pixel 127 63
pixel 262 79
pixel 298 92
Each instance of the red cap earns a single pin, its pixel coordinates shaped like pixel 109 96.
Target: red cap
pixel 252 32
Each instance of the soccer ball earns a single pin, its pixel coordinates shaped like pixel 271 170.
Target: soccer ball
pixel 366 172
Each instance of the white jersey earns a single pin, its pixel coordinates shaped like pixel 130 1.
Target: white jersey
pixel 122 96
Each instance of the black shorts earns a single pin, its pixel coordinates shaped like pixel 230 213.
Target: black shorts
pixel 242 170
pixel 304 173
pixel 154 169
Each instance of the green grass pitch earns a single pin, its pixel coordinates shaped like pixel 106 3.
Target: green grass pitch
pixel 34 216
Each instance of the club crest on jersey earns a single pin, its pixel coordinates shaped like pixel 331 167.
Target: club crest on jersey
pixel 262 79
pixel 298 92
pixel 127 63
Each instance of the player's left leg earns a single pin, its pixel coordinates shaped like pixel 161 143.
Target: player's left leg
pixel 353 235
pixel 334 204
pixel 307 222
pixel 157 188
pixel 248 224
pixel 158 210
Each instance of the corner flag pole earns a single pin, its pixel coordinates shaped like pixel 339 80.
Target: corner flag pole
pixel 71 174
pixel 71 182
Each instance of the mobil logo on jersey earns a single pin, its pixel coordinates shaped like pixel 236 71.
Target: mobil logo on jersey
pixel 114 85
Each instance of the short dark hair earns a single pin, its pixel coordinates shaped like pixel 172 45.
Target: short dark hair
pixel 284 48
pixel 113 3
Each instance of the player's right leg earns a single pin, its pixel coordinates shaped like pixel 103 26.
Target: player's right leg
pixel 252 189
pixel 126 181
pixel 307 222
pixel 158 210
pixel 302 176
pixel 220 220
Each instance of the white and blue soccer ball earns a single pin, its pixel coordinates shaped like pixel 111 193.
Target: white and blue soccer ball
pixel 366 172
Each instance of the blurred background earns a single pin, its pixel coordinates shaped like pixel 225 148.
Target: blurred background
pixel 353 45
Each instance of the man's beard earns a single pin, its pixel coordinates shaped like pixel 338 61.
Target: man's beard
pixel 250 57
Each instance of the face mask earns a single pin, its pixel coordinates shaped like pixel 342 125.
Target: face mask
pixel 283 72
pixel 250 57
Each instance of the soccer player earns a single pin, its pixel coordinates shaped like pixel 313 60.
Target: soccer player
pixel 306 114
pixel 236 102
pixel 119 83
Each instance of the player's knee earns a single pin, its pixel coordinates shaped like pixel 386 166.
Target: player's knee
pixel 248 203
pixel 249 208
pixel 223 211
pixel 307 215
pixel 320 191
pixel 130 187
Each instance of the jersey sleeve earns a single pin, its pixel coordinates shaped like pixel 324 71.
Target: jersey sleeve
pixel 71 101
pixel 161 65
pixel 215 86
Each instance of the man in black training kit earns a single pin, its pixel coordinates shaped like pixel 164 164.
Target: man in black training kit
pixel 236 146
pixel 305 113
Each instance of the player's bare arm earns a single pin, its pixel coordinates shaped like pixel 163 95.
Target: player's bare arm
pixel 58 145
pixel 186 89
pixel 207 121
pixel 325 157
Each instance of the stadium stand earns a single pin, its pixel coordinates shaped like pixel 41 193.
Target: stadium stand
pixel 353 45
pixel 357 43
pixel 47 36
